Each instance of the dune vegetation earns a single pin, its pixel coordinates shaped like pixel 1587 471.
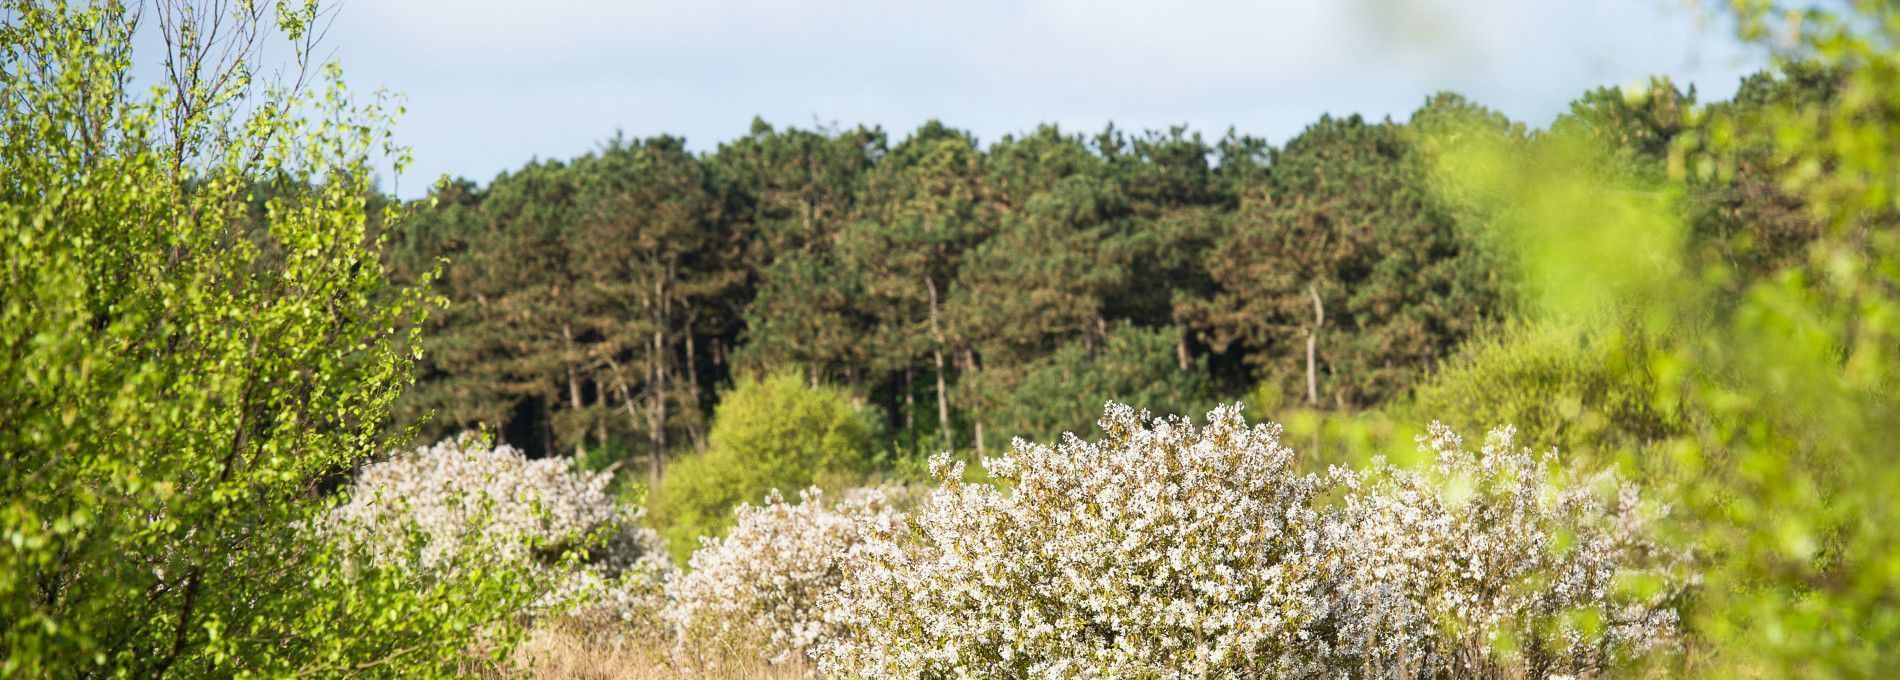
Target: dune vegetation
pixel 1442 397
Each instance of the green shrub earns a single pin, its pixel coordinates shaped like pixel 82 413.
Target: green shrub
pixel 1325 438
pixel 1583 389
pixel 772 433
pixel 1346 438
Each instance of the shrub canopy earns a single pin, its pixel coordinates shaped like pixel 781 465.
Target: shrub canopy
pixel 777 432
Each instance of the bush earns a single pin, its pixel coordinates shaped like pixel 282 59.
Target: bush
pixel 181 367
pixel 462 501
pixel 1583 390
pixel 772 433
pixel 1157 550
pixel 1479 565
pixel 1170 549
pixel 766 586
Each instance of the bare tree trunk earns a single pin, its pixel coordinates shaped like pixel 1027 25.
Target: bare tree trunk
pixel 1181 350
pixel 1312 348
pixel 656 401
pixel 692 375
pixel 809 211
pixel 692 385
pixel 600 424
pixel 910 409
pixel 657 388
pixel 1098 335
pixel 547 425
pixel 573 387
pixel 976 412
pixel 633 416
pixel 943 396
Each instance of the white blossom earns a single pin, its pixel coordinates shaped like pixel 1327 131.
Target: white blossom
pixel 460 498
pixel 1163 549
pixel 1170 549
pixel 765 585
pixel 1482 561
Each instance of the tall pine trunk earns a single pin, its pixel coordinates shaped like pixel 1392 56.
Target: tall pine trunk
pixel 943 397
pixel 968 361
pixel 1181 350
pixel 656 386
pixel 573 388
pixel 656 403
pixel 694 429
pixel 1312 350
pixel 633 416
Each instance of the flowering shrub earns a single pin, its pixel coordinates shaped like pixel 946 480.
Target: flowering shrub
pixel 463 501
pixel 1158 550
pixel 765 586
pixel 1168 549
pixel 1480 562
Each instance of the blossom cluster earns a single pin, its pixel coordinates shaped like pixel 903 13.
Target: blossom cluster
pixel 1481 561
pixel 1156 550
pixel 463 501
pixel 1171 549
pixel 768 584
pixel 1165 548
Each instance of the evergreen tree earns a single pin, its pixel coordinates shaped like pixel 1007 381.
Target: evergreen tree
pixel 924 208
pixel 655 257
pixel 1341 277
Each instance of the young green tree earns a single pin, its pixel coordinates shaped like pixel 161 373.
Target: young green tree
pixel 775 432
pixel 1782 383
pixel 1794 398
pixel 178 386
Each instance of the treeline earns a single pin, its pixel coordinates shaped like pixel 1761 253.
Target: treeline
pixel 971 292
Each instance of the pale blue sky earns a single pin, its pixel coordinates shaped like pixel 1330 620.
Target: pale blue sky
pixel 493 83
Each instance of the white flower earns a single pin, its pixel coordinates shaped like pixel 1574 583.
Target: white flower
pixel 462 500
pixel 1117 557
pixel 1167 549
pixel 1433 578
pixel 766 584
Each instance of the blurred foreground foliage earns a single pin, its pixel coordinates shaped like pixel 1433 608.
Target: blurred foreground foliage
pixel 1759 375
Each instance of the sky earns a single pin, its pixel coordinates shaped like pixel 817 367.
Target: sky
pixel 491 84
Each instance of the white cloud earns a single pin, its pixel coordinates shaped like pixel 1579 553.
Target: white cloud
pixel 492 82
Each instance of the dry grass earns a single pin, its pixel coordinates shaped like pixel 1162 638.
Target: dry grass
pixel 561 652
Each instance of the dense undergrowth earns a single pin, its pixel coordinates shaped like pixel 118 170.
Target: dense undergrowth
pixel 1167 547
